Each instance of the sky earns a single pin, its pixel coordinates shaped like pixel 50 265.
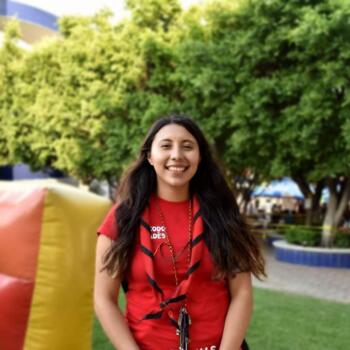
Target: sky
pixel 86 7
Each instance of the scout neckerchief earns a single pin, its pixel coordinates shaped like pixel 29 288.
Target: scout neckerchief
pixel 180 293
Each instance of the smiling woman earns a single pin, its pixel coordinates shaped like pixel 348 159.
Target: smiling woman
pixel 175 158
pixel 178 245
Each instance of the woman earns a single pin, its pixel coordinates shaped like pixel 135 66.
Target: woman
pixel 177 244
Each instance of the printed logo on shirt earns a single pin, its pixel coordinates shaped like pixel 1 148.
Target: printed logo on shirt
pixel 157 232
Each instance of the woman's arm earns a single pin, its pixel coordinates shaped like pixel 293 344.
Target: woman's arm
pixel 239 312
pixel 106 293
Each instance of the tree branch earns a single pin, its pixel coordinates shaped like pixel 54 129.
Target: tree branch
pixel 303 185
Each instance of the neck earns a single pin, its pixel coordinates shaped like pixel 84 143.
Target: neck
pixel 174 194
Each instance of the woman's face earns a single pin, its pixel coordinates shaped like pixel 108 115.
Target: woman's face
pixel 175 157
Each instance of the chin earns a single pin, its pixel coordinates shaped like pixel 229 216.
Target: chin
pixel 178 183
pixel 175 182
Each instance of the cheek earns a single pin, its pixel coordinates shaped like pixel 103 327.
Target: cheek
pixel 194 167
pixel 195 160
pixel 158 164
pixel 156 158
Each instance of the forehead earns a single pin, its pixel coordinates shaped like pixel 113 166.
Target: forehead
pixel 174 132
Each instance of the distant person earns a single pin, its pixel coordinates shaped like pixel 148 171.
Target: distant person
pixel 301 207
pixel 275 213
pixel 288 217
pixel 177 243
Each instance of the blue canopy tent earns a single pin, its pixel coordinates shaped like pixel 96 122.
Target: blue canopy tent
pixel 278 189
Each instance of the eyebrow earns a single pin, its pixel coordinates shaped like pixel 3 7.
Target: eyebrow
pixel 169 140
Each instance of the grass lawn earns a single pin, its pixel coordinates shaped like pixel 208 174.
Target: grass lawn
pixel 284 321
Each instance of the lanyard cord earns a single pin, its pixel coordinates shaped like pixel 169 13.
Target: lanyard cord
pixel 168 241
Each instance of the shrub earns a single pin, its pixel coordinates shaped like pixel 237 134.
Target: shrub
pixel 305 236
pixel 342 240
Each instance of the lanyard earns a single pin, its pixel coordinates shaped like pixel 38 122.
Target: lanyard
pixel 184 319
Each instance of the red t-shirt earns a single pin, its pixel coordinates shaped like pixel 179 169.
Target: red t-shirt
pixel 207 299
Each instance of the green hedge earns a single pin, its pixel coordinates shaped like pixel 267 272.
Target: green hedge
pixel 342 240
pixel 311 236
pixel 305 236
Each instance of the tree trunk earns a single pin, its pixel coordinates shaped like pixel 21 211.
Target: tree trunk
pixel 313 196
pixel 243 190
pixel 338 199
pixel 343 202
pixel 313 213
pixel 329 219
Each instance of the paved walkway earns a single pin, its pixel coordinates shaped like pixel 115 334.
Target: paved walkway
pixel 324 283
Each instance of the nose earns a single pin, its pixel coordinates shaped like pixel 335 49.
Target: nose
pixel 176 153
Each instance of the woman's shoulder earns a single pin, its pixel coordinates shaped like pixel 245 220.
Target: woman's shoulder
pixel 108 226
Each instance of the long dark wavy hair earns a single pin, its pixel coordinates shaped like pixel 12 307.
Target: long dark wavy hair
pixel 231 243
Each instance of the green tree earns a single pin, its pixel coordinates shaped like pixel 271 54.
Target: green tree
pixel 291 108
pixel 87 98
pixel 77 103
pixel 157 15
pixel 205 85
pixel 10 61
pixel 267 80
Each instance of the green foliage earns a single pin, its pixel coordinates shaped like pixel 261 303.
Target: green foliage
pixel 82 100
pixel 305 236
pixel 342 240
pixel 267 81
pixel 290 107
pixel 154 14
pixel 270 81
pixel 10 62
pixel 268 90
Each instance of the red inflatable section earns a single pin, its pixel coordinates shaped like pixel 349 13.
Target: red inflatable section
pixel 15 300
pixel 20 227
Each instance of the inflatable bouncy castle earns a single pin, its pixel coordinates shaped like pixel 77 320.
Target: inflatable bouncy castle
pixel 47 252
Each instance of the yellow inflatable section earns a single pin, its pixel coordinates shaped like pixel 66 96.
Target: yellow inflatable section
pixel 61 310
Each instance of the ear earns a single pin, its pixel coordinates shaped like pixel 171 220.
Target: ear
pixel 149 159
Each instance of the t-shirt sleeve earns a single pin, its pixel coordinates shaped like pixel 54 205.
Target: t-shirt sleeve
pixel 109 226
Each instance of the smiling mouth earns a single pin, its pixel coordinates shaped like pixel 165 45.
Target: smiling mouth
pixel 176 169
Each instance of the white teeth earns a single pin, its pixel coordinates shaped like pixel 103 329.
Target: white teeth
pixel 176 168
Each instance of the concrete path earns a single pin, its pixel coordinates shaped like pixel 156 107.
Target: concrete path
pixel 324 283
